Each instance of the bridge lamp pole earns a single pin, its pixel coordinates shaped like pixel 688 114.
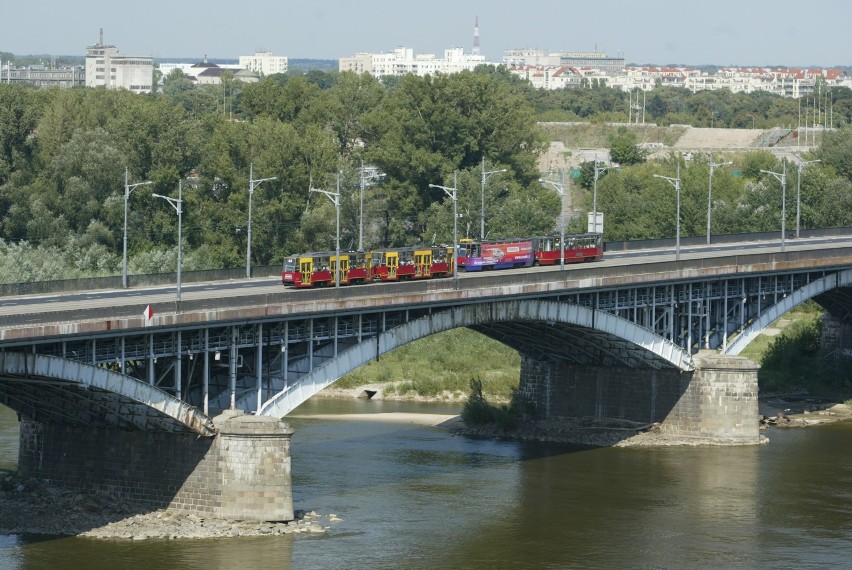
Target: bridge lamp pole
pixel 713 166
pixel 485 176
pixel 335 199
pixel 561 191
pixel 368 174
pixel 782 177
pixel 177 204
pixel 128 188
pixel 598 170
pixel 676 183
pixel 802 165
pixel 453 194
pixel 252 185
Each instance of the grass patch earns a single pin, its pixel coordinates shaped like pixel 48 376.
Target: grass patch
pixel 794 358
pixel 597 135
pixel 443 362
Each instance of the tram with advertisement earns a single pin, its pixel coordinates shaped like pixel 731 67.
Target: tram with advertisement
pixel 430 262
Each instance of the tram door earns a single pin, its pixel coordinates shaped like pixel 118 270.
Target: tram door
pixel 306 268
pixel 423 263
pixel 344 267
pixel 392 259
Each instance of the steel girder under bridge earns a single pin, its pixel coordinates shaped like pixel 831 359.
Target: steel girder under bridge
pixel 270 365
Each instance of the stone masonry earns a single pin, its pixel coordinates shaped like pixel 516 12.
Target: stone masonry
pixel 720 403
pixel 717 403
pixel 243 473
pixel 836 336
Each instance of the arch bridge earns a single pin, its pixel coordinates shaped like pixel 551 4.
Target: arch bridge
pixel 178 404
pixel 266 354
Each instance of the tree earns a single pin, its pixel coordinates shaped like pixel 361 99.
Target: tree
pixel 623 147
pixel 836 151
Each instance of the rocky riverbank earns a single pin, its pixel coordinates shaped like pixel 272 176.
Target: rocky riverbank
pixel 31 507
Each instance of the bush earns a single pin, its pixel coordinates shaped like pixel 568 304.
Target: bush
pixel 477 411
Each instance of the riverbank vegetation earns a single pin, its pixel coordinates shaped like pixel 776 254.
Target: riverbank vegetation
pixel 793 359
pixel 443 365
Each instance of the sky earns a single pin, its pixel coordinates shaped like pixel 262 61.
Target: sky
pixel 724 32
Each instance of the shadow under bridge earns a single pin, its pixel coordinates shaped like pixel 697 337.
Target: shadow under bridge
pixel 52 389
pixel 547 330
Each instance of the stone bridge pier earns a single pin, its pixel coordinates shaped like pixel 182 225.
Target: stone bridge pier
pixel 241 473
pixel 836 335
pixel 90 428
pixel 715 403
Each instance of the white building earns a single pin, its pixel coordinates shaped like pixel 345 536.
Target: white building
pixel 208 73
pixel 105 67
pixel 575 59
pixel 264 63
pixel 403 61
pixel 787 82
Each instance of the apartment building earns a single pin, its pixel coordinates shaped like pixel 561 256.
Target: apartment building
pixel 264 63
pixel 403 61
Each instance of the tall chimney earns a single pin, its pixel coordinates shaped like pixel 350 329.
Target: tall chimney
pixel 102 37
pixel 476 37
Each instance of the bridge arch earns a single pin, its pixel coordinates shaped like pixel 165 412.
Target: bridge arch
pixel 632 344
pixel 52 388
pixel 796 298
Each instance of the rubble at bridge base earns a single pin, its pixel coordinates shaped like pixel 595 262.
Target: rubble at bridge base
pixel 31 506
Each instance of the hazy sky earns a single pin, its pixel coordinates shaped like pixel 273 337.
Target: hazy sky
pixel 722 32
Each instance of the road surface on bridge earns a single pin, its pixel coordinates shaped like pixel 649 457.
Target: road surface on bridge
pixel 28 304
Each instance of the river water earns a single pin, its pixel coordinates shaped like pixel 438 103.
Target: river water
pixel 418 497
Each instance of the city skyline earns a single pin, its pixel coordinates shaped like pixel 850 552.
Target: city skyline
pixel 760 33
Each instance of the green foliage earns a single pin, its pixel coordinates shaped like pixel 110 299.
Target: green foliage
pixel 795 360
pixel 443 362
pixel 836 151
pixel 623 147
pixel 63 155
pixel 478 412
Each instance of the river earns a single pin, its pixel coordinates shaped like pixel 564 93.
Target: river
pixel 418 497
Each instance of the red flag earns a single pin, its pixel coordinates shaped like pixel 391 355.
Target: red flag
pixel 149 312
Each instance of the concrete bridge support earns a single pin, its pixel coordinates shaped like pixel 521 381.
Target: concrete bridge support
pixel 717 403
pixel 243 472
pixel 836 336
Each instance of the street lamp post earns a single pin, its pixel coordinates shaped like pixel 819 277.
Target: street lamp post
pixel 453 194
pixel 676 183
pixel 368 173
pixel 782 177
pixel 561 191
pixel 335 199
pixel 128 188
pixel 713 166
pixel 177 204
pixel 598 170
pixel 252 184
pixel 485 176
pixel 802 165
